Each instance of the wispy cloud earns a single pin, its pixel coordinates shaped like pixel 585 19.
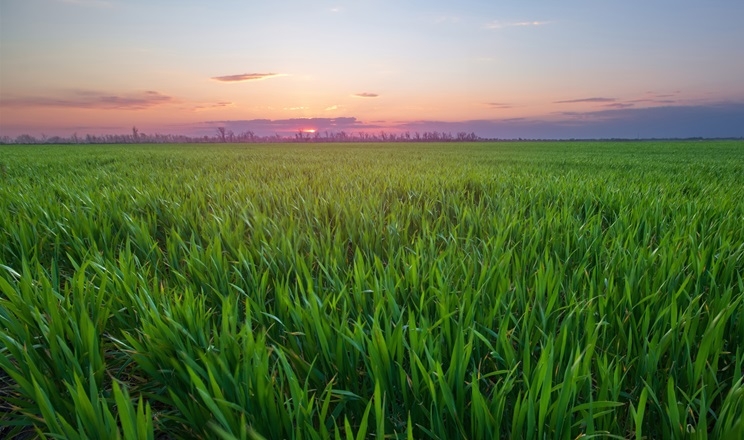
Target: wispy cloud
pixel 245 77
pixel 505 24
pixel 613 103
pixel 655 101
pixel 656 95
pixel 500 105
pixel 86 99
pixel 216 105
pixel 619 105
pixel 366 95
pixel 331 108
pixel 572 101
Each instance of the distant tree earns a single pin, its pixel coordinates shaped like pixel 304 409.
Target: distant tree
pixel 25 139
pixel 224 135
pixel 251 135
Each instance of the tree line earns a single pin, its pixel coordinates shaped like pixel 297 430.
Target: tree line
pixel 224 135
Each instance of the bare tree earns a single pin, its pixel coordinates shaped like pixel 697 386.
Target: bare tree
pixel 221 134
pixel 135 134
pixel 25 139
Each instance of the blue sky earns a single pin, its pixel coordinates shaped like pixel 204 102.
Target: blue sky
pixel 501 69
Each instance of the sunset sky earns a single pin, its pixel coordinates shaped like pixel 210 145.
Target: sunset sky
pixel 539 69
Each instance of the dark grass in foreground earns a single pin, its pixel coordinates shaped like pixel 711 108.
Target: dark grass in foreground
pixel 542 290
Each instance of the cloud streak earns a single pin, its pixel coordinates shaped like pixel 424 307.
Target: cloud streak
pixel 366 95
pixel 619 105
pixel 245 77
pixel 503 24
pixel 500 105
pixel 220 104
pixel 655 101
pixel 86 99
pixel 572 101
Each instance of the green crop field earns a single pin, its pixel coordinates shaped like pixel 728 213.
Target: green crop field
pixel 414 291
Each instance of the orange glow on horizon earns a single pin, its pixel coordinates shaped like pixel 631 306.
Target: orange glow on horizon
pixel 308 130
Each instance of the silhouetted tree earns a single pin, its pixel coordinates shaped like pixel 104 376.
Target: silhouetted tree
pixel 221 134
pixel 25 139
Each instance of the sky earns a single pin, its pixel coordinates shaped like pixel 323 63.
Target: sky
pixel 502 69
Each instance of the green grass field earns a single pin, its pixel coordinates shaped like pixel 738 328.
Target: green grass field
pixel 413 291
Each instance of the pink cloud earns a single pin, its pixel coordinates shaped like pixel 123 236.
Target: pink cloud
pixel 572 101
pixel 87 99
pixel 220 104
pixel 244 77
pixel 618 105
pixel 656 101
